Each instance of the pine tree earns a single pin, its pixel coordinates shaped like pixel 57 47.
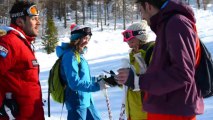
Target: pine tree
pixel 50 40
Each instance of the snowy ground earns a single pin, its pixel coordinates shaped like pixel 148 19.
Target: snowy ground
pixel 107 51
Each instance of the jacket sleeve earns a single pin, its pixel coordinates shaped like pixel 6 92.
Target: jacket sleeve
pixel 180 71
pixel 6 62
pixel 1 97
pixel 75 80
pixel 7 56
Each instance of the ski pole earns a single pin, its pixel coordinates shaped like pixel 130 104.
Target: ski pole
pixel 123 105
pixel 122 113
pixel 108 104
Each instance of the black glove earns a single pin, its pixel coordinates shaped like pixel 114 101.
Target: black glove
pixel 133 80
pixel 111 80
pixel 11 105
pixel 2 111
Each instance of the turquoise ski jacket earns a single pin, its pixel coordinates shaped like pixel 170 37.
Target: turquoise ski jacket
pixel 77 77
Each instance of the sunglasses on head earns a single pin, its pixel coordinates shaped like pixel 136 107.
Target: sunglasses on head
pixel 129 34
pixel 31 11
pixel 85 31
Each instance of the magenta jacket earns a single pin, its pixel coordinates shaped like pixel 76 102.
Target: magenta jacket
pixel 169 80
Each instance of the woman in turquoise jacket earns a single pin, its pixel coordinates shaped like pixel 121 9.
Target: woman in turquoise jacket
pixel 76 74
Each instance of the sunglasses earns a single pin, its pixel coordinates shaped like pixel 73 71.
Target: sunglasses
pixel 31 11
pixel 129 34
pixel 85 31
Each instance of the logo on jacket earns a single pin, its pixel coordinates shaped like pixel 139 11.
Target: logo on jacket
pixel 3 51
pixel 35 63
pixel 2 32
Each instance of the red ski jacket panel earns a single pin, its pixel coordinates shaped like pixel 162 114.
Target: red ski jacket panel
pixel 19 71
pixel 153 116
pixel 1 96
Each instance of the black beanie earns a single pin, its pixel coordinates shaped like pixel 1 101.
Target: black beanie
pixel 19 8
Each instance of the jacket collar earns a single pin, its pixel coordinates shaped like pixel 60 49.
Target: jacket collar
pixel 28 38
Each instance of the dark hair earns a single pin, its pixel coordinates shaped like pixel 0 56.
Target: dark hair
pixel 19 8
pixel 76 45
pixel 155 3
pixel 13 20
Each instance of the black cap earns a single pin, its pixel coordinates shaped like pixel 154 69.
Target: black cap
pixel 20 7
pixel 138 1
